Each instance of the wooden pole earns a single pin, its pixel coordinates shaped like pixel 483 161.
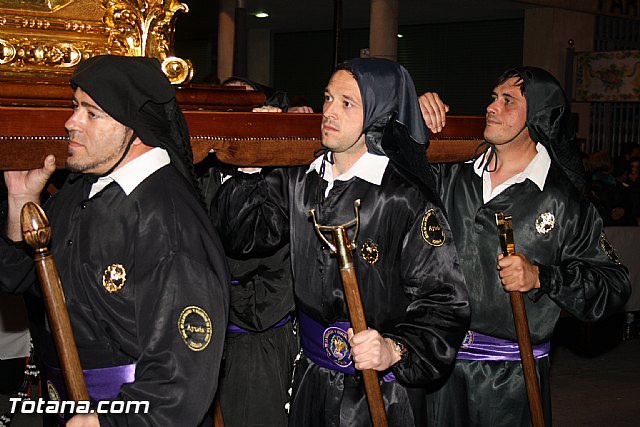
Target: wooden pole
pixel 343 248
pixel 505 233
pixel 37 233
pixel 358 322
pixel 218 418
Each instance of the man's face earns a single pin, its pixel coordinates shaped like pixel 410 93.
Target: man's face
pixel 96 141
pixel 342 113
pixel 506 114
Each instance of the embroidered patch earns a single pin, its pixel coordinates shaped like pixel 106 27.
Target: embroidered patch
pixel 369 252
pixel 468 340
pixel 52 392
pixel 609 249
pixel 194 325
pixel 431 229
pixel 337 346
pixel 114 277
pixel 545 222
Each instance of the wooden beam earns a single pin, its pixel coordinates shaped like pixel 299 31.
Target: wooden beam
pixel 28 134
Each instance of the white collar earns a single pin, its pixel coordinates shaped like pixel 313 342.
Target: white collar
pixel 536 171
pixel 133 173
pixel 369 167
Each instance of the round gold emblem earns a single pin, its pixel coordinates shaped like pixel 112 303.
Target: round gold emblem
pixel 114 277
pixel 431 229
pixel 194 325
pixel 369 252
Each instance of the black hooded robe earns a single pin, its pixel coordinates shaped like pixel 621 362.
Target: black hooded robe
pixel 413 292
pixel 144 274
pixel 556 229
pixel 162 237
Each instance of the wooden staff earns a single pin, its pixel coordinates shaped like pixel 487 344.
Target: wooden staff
pixel 507 244
pixel 343 248
pixel 218 419
pixel 37 233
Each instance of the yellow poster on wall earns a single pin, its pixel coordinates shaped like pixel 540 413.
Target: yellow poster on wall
pixel 608 76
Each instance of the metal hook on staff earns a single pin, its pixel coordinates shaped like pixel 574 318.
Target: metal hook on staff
pixel 343 248
pixel 333 249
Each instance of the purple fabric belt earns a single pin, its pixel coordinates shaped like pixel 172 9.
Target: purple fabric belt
pixel 327 346
pixel 102 383
pixel 235 329
pixel 477 346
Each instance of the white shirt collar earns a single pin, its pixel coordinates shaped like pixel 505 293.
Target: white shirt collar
pixel 536 171
pixel 129 176
pixel 369 167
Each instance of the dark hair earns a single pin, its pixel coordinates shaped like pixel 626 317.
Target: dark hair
pixel 345 66
pixel 509 74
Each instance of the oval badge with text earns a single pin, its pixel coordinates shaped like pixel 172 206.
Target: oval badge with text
pixel 194 325
pixel 432 232
pixel 337 346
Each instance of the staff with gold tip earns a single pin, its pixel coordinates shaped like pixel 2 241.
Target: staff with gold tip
pixel 508 246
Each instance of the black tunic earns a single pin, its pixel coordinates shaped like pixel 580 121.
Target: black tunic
pixel 576 275
pixel 161 235
pixel 414 293
pixel 257 364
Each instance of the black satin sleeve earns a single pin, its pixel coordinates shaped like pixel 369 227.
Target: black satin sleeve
pixel 587 282
pixel 438 317
pixel 250 213
pixel 17 272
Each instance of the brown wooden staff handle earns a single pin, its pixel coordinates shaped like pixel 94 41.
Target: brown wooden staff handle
pixel 343 249
pixel 508 246
pixel 218 418
pixel 359 324
pixel 37 233
pixel 526 355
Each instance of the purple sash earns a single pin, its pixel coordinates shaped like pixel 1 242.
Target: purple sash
pixel 477 346
pixel 327 346
pixel 102 383
pixel 235 329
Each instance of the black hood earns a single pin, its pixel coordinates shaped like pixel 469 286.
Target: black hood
pixel 549 121
pixel 387 91
pixel 393 123
pixel 136 93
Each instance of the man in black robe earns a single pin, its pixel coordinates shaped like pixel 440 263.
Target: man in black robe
pixel 411 285
pixel 143 271
pixel 531 170
pixel 260 344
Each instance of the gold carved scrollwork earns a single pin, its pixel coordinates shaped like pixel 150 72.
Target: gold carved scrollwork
pixel 146 28
pixel 49 37
pixel 27 52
